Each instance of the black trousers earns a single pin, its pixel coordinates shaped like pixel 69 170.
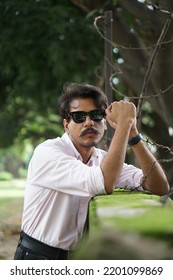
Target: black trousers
pixel 31 249
pixel 23 253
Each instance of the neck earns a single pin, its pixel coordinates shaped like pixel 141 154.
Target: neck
pixel 85 153
pixel 84 150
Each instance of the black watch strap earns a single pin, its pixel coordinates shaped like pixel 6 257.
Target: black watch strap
pixel 135 140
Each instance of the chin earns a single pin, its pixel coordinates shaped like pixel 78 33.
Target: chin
pixel 89 143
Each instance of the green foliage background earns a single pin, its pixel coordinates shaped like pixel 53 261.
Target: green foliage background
pixel 43 44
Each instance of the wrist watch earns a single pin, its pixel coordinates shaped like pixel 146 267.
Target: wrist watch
pixel 135 140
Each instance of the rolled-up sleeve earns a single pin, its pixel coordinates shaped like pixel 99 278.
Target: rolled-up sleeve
pixel 131 177
pixel 59 171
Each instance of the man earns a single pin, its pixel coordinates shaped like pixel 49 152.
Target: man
pixel 65 173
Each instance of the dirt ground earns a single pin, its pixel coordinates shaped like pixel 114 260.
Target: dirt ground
pixel 10 223
pixel 11 199
pixel 7 246
pixel 9 235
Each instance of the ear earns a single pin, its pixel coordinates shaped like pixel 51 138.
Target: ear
pixel 105 124
pixel 65 124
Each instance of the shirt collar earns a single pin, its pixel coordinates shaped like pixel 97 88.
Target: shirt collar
pixel 74 152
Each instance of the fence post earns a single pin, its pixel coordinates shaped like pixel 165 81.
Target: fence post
pixel 108 64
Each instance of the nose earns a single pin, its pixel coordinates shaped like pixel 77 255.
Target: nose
pixel 88 121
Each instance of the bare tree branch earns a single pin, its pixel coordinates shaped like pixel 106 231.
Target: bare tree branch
pixel 153 143
pixel 115 45
pixel 165 91
pixel 150 67
pixel 156 7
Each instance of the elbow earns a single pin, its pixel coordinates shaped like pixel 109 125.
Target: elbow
pixel 159 189
pixel 109 192
pixel 165 189
pixel 109 189
pixel 161 192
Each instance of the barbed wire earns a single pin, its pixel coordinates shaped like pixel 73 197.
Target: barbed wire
pixel 117 71
pixel 160 146
pixel 156 7
pixel 147 3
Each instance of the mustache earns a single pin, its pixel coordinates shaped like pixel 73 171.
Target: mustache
pixel 87 130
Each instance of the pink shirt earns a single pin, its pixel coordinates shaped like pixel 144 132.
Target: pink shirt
pixel 59 187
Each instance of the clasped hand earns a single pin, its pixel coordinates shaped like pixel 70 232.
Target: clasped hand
pixel 121 113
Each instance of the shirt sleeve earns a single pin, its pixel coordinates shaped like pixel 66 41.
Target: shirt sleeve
pixel 57 170
pixel 131 177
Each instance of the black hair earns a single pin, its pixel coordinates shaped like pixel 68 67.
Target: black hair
pixel 71 91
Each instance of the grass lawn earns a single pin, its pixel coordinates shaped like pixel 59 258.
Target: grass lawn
pixel 11 203
pixel 12 188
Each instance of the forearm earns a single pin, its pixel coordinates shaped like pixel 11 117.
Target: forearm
pixel 154 176
pixel 113 162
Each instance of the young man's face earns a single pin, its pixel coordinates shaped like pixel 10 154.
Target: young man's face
pixel 89 132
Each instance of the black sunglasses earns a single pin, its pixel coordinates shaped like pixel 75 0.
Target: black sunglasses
pixel 95 115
